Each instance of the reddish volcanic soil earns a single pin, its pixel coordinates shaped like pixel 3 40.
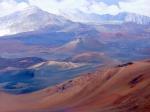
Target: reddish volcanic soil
pixel 124 88
pixel 97 57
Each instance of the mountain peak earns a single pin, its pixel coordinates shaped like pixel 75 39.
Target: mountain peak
pixel 33 8
pixel 29 11
pixel 29 19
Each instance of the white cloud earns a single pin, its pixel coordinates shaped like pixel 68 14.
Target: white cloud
pixel 55 6
pixel 87 6
pixel 102 8
pixel 10 6
pixel 136 6
pixel 94 6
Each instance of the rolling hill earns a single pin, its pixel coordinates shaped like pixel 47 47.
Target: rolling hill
pixel 122 88
pixel 26 75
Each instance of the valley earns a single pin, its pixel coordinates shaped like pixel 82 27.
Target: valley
pixel 74 62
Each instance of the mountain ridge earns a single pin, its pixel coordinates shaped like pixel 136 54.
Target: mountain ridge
pixel 119 18
pixel 34 18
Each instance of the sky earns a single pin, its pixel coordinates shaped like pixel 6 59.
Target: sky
pixel 87 6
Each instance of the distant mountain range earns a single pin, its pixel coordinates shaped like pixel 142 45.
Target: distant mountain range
pixel 107 18
pixel 53 37
pixel 33 18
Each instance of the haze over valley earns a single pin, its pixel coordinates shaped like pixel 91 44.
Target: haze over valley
pixel 74 59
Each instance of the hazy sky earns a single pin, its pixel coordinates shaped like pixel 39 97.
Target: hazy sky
pixel 87 6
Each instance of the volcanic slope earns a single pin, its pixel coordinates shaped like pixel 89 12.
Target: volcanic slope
pixel 122 88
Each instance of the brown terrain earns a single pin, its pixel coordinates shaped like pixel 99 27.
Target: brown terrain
pixel 91 57
pixel 123 88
